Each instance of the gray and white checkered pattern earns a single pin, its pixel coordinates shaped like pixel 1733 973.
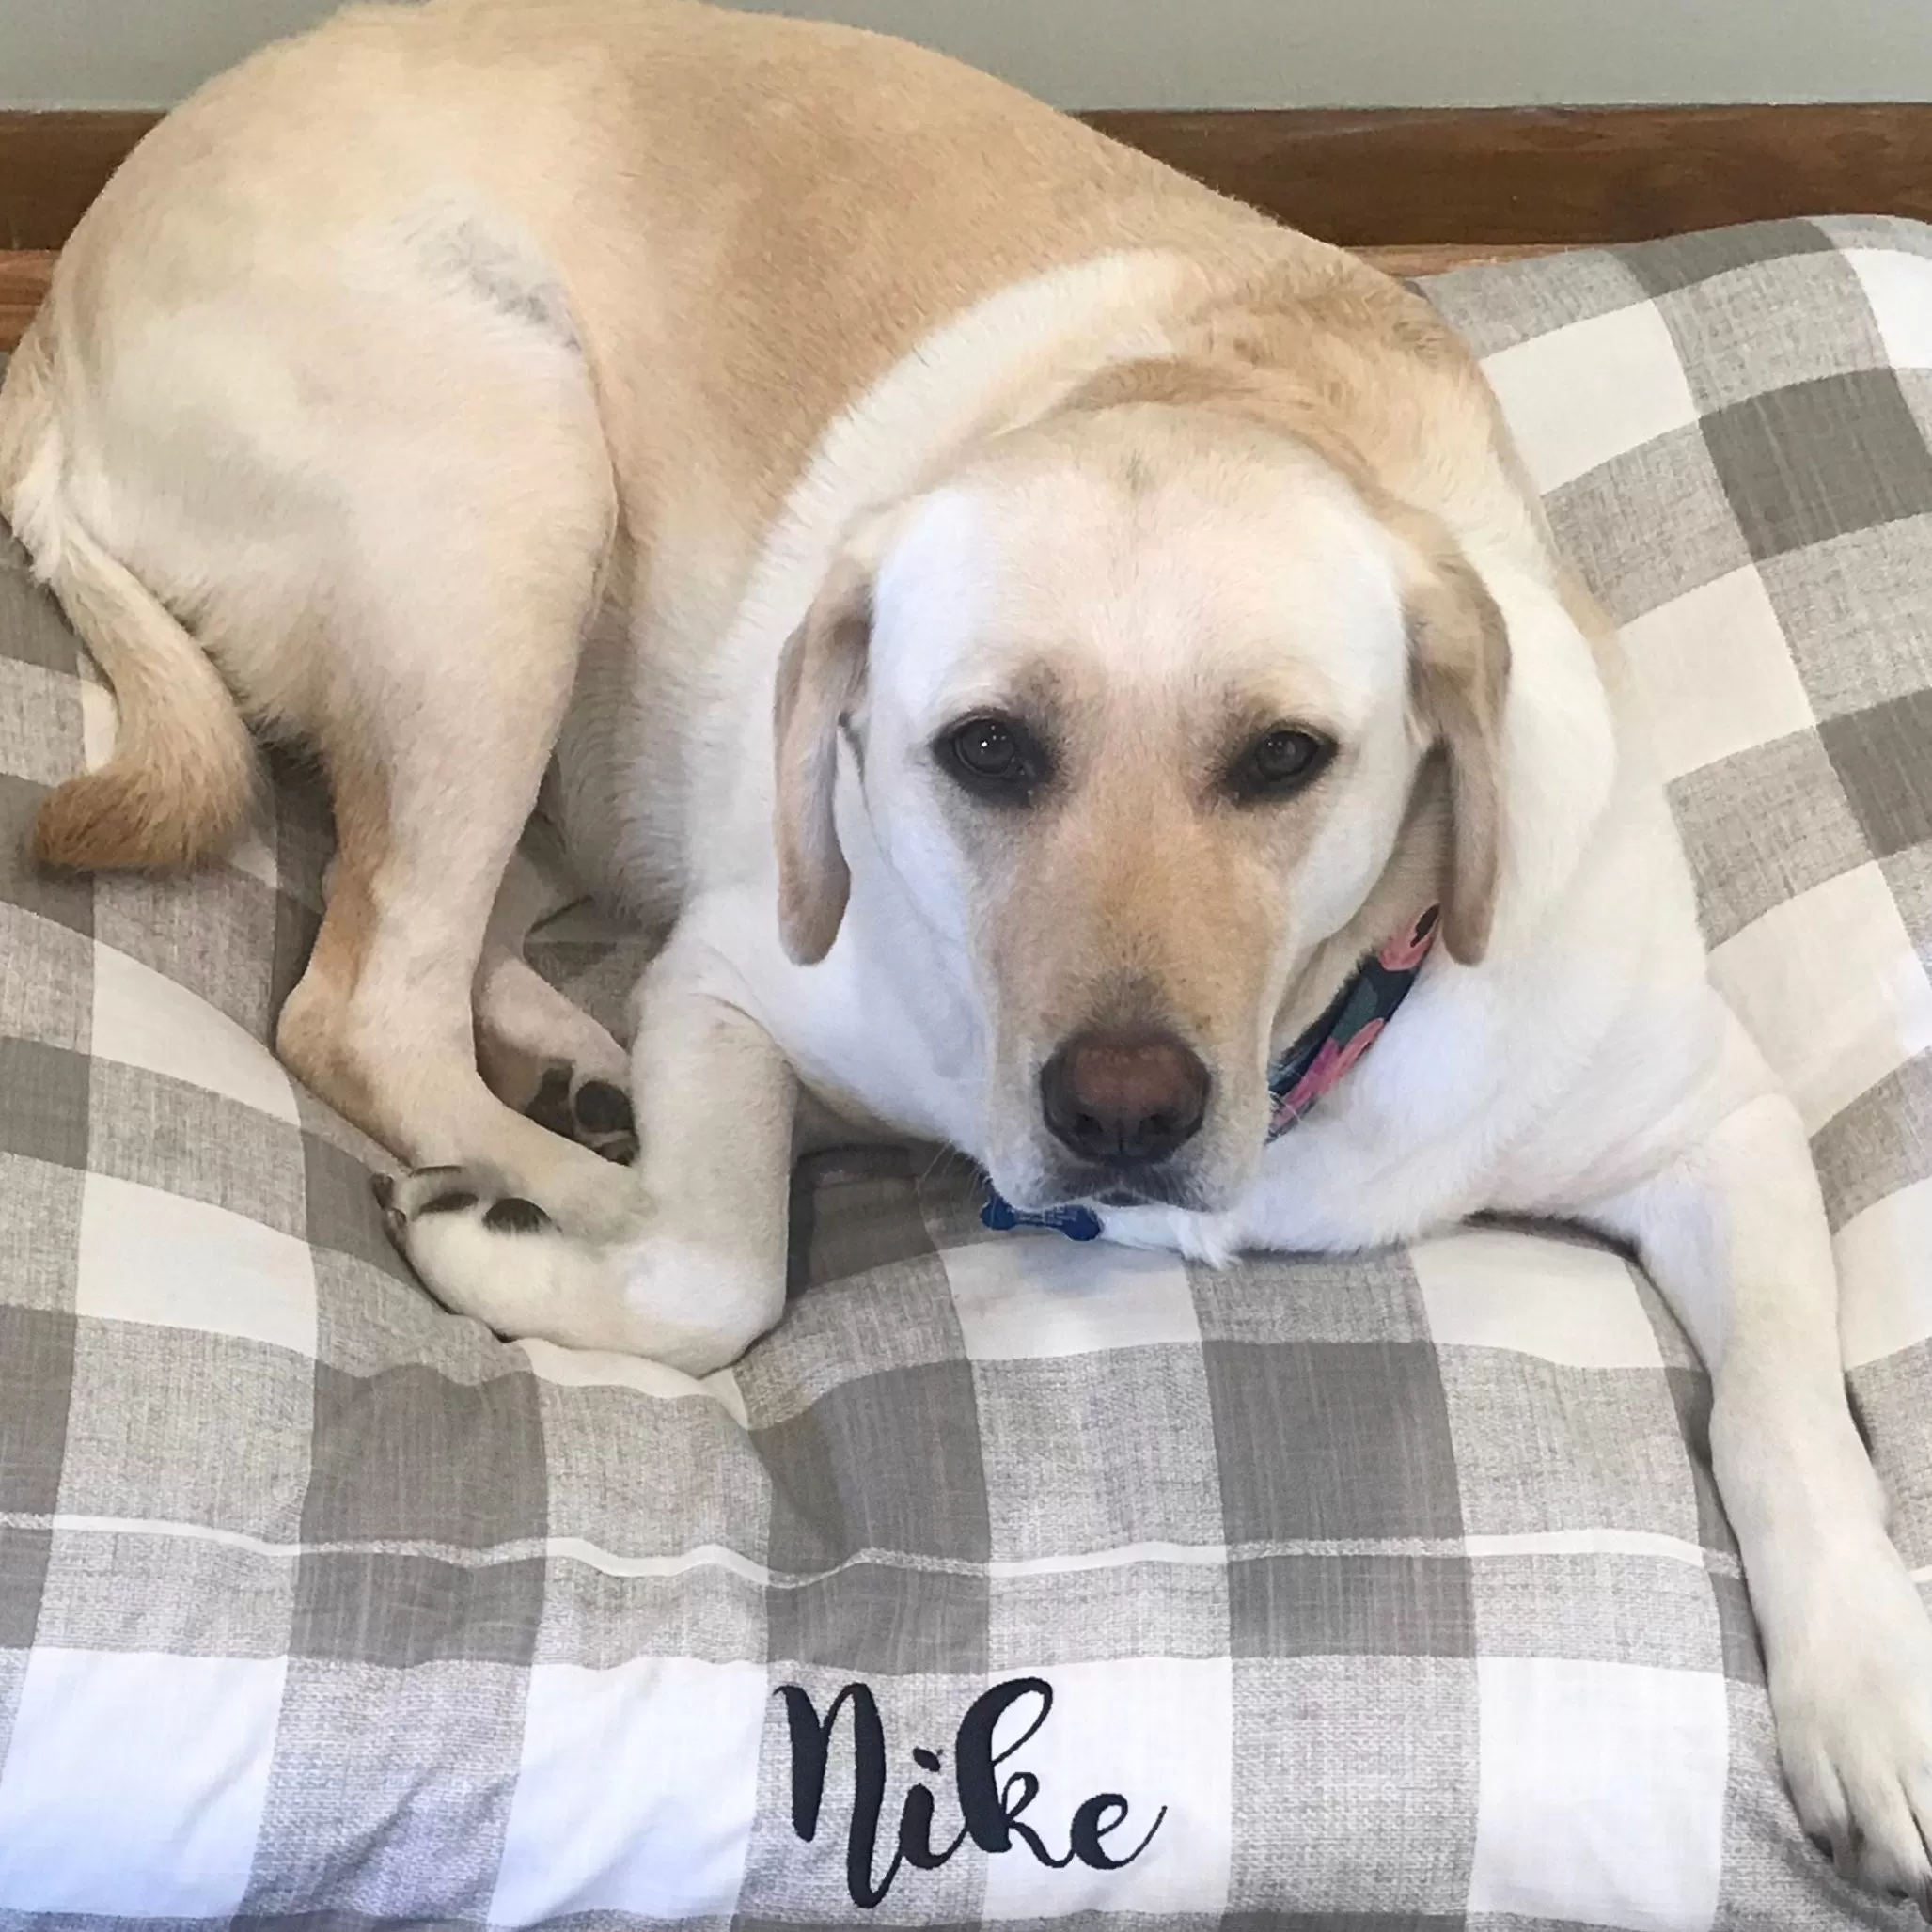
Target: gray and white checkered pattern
pixel 1385 1593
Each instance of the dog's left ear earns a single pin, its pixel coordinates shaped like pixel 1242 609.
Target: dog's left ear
pixel 820 679
pixel 1459 671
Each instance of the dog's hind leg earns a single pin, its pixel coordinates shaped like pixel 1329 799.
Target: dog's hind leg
pixel 346 479
pixel 382 1023
pixel 540 1052
pixel 478 518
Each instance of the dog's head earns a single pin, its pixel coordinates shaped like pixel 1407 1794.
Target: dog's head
pixel 1150 705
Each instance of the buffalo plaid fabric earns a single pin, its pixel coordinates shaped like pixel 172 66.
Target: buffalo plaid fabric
pixel 1010 1579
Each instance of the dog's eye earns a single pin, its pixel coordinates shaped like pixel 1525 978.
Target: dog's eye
pixel 994 757
pixel 1278 764
pixel 987 748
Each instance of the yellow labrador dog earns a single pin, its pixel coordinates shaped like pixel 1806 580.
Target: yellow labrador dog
pixel 1077 666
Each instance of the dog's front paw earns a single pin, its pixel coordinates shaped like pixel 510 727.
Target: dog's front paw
pixel 1854 1713
pixel 484 1252
pixel 478 1247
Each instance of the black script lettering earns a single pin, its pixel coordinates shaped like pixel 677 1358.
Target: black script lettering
pixel 1089 1830
pixel 990 1810
pixel 811 1748
pixel 991 1807
pixel 915 1832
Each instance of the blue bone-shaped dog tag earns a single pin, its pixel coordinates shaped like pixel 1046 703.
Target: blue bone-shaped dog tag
pixel 1075 1223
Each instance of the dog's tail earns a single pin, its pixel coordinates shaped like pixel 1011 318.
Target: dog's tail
pixel 178 783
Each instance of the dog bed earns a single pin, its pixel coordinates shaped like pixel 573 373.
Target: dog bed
pixel 1011 1578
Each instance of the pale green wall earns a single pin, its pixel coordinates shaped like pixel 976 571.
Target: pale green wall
pixel 131 53
pixel 1162 52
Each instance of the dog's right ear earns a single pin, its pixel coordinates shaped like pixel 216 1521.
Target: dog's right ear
pixel 821 680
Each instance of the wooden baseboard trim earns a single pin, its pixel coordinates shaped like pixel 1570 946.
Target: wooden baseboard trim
pixel 52 165
pixel 1394 177
pixel 23 283
pixel 1574 175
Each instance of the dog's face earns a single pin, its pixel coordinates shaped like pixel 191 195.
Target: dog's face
pixel 1140 700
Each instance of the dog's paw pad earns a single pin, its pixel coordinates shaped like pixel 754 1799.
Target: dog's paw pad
pixel 513 1215
pixel 439 1197
pixel 594 1114
pixel 483 1250
pixel 467 1234
pixel 601 1109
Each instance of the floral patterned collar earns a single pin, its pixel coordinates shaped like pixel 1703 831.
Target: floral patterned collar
pixel 1367 1002
pixel 1312 1066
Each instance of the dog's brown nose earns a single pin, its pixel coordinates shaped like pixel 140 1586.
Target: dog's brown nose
pixel 1123 1098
